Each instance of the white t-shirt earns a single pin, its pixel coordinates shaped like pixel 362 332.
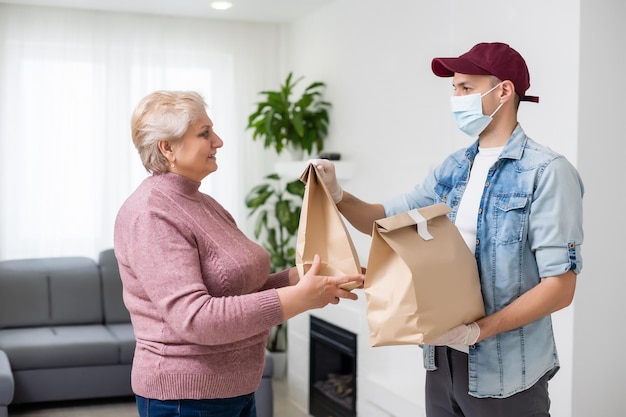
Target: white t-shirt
pixel 467 214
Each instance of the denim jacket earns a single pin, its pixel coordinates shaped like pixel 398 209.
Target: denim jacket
pixel 529 226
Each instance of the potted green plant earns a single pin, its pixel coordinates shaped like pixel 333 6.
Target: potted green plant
pixel 297 125
pixel 277 207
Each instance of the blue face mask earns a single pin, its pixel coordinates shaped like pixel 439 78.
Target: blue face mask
pixel 468 113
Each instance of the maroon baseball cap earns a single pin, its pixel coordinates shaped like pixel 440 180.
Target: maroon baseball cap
pixel 497 59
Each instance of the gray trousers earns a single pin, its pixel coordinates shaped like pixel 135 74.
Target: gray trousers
pixel 447 392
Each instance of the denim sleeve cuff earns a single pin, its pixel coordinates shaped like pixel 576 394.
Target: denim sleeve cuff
pixel 558 260
pixel 395 206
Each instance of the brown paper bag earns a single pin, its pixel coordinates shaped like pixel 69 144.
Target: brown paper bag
pixel 421 278
pixel 322 231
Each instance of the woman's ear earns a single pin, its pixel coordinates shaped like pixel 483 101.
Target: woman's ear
pixel 166 149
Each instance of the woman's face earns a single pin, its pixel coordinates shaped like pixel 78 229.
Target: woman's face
pixel 195 155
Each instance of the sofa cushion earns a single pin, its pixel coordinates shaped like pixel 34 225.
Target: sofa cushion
pixel 113 302
pixel 49 291
pixel 123 333
pixel 59 346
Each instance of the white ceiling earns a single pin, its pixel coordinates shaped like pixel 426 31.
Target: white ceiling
pixel 272 11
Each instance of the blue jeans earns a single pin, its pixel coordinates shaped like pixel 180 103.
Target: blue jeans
pixel 242 406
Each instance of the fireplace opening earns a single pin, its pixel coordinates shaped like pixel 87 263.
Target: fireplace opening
pixel 332 382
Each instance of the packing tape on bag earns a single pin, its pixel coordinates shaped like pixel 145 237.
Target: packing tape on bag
pixel 422 224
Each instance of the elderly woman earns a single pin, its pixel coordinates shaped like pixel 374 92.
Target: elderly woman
pixel 199 292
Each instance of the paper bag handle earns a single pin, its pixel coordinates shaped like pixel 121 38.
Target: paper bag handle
pixel 422 224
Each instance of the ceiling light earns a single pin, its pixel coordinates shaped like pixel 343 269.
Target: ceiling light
pixel 221 5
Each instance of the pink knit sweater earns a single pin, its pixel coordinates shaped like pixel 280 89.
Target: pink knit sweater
pixel 198 290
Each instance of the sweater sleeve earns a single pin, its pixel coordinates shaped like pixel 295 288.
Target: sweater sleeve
pixel 277 280
pixel 163 256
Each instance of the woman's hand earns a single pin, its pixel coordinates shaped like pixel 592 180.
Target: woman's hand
pixel 323 290
pixel 315 291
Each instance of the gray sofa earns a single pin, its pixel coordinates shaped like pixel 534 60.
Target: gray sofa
pixel 66 335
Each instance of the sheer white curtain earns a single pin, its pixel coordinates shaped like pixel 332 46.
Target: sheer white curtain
pixel 68 83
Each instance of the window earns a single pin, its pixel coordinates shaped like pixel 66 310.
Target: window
pixel 68 85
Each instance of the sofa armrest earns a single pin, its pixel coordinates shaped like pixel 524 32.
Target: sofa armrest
pixel 6 382
pixel 268 371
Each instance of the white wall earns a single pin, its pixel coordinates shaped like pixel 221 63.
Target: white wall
pixel 598 332
pixel 391 118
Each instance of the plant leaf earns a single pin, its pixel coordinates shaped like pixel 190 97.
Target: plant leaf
pixel 294 221
pixel 260 224
pixel 283 212
pixel 296 187
pixel 258 196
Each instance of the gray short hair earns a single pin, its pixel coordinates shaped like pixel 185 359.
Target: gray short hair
pixel 163 115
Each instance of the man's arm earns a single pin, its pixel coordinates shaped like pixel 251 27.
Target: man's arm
pixel 552 294
pixel 360 214
pixel 559 189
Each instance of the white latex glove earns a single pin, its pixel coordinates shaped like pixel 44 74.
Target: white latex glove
pixel 465 334
pixel 326 170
